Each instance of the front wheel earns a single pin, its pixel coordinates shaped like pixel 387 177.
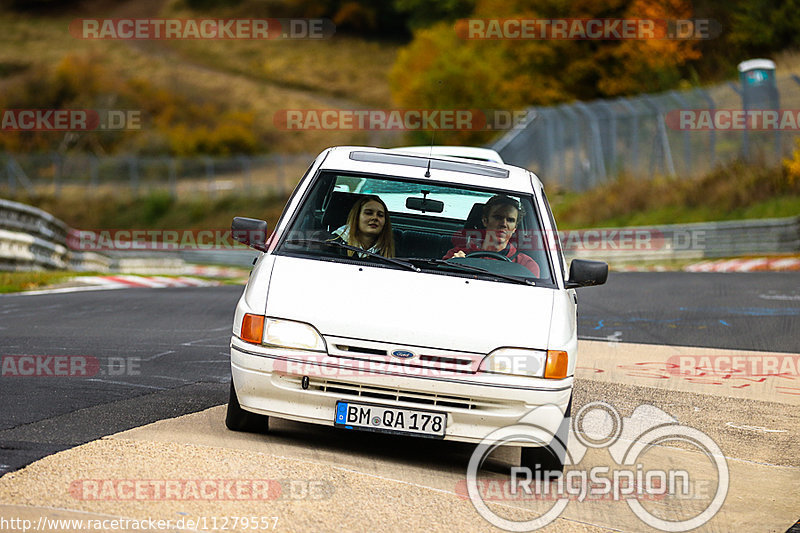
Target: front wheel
pixel 550 459
pixel 237 419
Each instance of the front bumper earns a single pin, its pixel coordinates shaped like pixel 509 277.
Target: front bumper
pixel 269 381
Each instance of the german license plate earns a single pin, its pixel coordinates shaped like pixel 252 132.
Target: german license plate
pixel 372 417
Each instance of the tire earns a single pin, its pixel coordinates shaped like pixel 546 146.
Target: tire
pixel 550 459
pixel 237 419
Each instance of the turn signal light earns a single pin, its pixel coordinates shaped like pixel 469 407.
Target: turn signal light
pixel 557 363
pixel 252 328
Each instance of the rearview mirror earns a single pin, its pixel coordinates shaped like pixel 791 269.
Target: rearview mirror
pixel 585 273
pixel 425 204
pixel 250 231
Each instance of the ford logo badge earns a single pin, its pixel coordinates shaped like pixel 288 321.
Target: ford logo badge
pixel 403 354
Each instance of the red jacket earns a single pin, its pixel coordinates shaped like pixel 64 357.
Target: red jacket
pixel 510 251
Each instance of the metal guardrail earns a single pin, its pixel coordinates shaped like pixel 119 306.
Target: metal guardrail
pixel 15 216
pixel 702 240
pixel 33 239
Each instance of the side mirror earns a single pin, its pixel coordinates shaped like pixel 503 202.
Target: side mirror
pixel 585 273
pixel 250 231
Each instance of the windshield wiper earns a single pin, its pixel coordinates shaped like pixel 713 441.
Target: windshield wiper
pixel 338 244
pixel 469 268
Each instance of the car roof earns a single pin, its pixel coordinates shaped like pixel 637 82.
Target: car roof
pixel 469 152
pixel 442 169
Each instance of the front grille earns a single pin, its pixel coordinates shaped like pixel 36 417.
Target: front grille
pixel 423 399
pixel 360 349
pixel 381 352
pixel 445 360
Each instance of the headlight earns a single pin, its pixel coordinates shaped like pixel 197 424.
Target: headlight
pixel 516 362
pixel 281 333
pixel 290 334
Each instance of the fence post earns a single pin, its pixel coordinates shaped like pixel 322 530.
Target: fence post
pixel 93 171
pixel 712 106
pixel 12 184
pixel 246 167
pixel 611 164
pixel 560 148
pixel 577 168
pixel 687 146
pixel 210 175
pixel 172 169
pixel 597 165
pixel 661 137
pixel 633 114
pixel 133 169
pixel 57 168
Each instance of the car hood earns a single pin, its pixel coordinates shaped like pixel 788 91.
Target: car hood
pixel 409 308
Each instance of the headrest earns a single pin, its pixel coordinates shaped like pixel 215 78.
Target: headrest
pixel 475 217
pixel 339 207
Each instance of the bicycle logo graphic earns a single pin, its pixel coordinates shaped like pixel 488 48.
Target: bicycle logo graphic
pixel 626 440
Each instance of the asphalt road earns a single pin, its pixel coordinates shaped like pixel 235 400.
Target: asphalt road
pixel 161 353
pixel 164 352
pixel 749 311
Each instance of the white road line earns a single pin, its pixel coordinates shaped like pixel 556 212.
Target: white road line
pixel 125 383
pixel 756 428
pixel 64 290
pixel 156 356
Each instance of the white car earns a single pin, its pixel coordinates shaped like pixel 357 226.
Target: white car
pixel 464 152
pixel 413 343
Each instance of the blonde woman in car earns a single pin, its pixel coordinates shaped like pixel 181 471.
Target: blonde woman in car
pixel 368 227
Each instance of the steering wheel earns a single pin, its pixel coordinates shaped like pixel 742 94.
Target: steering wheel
pixel 486 253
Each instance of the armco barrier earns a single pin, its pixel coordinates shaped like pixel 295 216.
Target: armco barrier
pixel 31 239
pixel 23 218
pixel 689 241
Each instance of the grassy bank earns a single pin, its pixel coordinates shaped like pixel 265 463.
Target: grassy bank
pixel 158 210
pixel 26 281
pixel 735 191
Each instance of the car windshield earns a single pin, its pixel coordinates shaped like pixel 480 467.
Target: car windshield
pixel 435 227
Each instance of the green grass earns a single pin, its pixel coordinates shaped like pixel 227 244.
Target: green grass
pixel 772 208
pixel 27 281
pixel 158 211
pixel 732 192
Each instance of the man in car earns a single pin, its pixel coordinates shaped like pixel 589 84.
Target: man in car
pixel 500 216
